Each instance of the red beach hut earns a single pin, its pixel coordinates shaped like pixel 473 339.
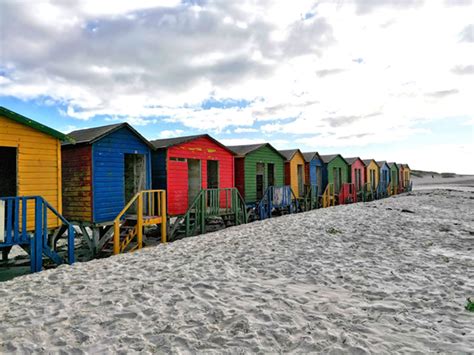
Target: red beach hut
pixel 186 165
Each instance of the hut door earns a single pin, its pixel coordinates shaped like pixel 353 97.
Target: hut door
pixel 372 178
pixel 212 174
pixel 319 178
pixel 337 172
pixel 8 171
pixel 260 173
pixel 194 179
pixel 135 175
pixel 271 174
pixel 358 180
pixel 300 179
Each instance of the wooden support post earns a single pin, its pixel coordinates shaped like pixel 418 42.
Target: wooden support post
pixel 116 237
pixel 163 216
pixel 140 221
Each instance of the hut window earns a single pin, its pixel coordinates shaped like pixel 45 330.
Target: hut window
pixel 183 160
pixel 271 174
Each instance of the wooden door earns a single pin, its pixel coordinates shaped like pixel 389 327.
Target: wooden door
pixel 194 179
pixel 259 180
pixel 300 170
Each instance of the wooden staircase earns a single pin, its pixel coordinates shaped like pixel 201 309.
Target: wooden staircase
pixel 329 197
pixel 210 210
pixel 147 208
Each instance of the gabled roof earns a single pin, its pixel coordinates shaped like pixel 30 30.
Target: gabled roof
pixel 92 135
pixel 243 150
pixel 329 158
pixel 392 164
pixel 353 160
pixel 381 163
pixel 406 166
pixel 32 124
pixel 289 153
pixel 171 142
pixel 368 161
pixel 308 156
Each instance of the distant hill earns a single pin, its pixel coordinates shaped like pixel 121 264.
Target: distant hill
pixel 422 173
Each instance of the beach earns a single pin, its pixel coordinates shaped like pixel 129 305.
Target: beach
pixel 382 277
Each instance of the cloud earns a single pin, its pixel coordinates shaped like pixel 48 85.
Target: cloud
pixel 283 69
pixel 245 130
pixel 442 93
pixel 467 34
pixel 463 69
pixel 171 133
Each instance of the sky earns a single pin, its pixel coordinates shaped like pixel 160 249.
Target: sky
pixel 382 79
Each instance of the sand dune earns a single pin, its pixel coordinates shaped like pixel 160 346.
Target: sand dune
pixel 364 278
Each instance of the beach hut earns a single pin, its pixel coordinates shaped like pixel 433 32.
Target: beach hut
pixel 294 171
pixel 335 175
pixel 257 167
pixel 30 184
pixel 407 177
pixel 103 171
pixel 372 178
pixel 198 174
pixel 314 177
pixel 394 178
pixel 357 175
pixel 384 179
pixel 401 185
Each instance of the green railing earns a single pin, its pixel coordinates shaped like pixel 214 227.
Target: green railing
pixel 311 197
pixel 226 203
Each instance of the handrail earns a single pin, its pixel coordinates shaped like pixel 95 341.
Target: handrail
pixel 18 231
pixel 287 199
pixel 211 203
pixel 150 204
pixel 329 197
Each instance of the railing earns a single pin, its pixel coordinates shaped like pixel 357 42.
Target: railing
pixel 221 202
pixel 147 207
pixel 281 197
pixel 347 194
pixel 382 189
pixel 17 227
pixel 311 197
pixel 329 197
pixel 368 192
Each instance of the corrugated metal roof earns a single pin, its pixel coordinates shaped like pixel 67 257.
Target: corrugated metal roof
pixel 368 161
pixel 289 153
pixel 92 135
pixel 308 156
pixel 245 149
pixel 352 160
pixel 170 142
pixel 328 158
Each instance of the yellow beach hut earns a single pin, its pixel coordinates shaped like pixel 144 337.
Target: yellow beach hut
pixel 294 171
pixel 30 162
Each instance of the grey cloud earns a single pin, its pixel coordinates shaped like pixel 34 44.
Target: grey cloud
pixel 339 121
pixel 159 50
pixel 325 72
pixel 367 6
pixel 458 2
pixel 442 93
pixel 467 34
pixel 463 69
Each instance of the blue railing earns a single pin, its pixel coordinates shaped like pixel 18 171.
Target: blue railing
pixel 277 197
pixel 17 227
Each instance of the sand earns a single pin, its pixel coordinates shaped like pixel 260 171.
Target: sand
pixel 436 181
pixel 363 278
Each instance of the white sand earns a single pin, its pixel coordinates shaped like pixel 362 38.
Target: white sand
pixel 364 278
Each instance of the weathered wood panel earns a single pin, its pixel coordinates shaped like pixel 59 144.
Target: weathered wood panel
pixel 77 183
